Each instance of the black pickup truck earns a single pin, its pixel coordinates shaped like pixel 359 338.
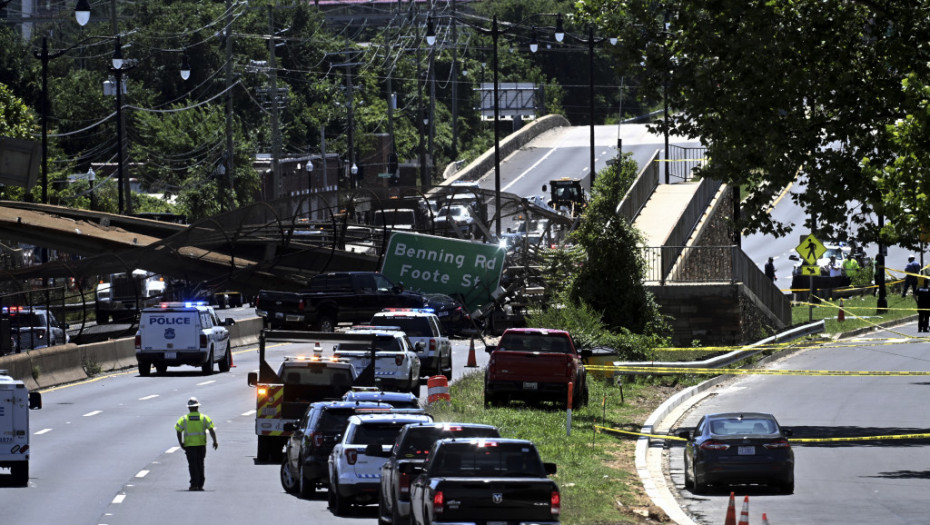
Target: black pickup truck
pixel 410 452
pixel 490 481
pixel 333 298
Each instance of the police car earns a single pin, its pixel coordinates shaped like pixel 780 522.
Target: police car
pixel 355 463
pixel 182 333
pixel 396 363
pixel 421 326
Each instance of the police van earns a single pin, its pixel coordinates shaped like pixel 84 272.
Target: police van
pixel 15 402
pixel 175 334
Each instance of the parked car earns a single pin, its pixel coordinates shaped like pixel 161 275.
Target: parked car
pixel 395 399
pixel 732 448
pixel 313 438
pixel 425 332
pixel 456 219
pixel 452 313
pixel 355 462
pixel 34 327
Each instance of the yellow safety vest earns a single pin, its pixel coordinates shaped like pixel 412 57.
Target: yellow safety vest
pixel 194 426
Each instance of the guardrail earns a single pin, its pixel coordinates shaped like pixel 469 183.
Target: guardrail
pixel 640 191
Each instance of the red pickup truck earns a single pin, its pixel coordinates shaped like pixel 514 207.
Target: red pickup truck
pixel 535 364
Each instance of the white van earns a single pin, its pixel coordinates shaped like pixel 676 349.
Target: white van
pixel 15 403
pixel 174 334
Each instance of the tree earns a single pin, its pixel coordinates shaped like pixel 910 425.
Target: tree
pixel 16 121
pixel 611 276
pixel 781 87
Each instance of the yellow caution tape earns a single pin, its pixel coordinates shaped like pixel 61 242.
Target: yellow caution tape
pixel 792 440
pixel 859 438
pixel 756 371
pixel 628 432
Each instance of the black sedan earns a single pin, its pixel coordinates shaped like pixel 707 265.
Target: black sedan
pixel 452 313
pixel 738 448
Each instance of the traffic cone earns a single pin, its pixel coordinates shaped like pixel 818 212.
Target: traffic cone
pixel 731 512
pixel 231 354
pixel 841 315
pixel 744 514
pixel 472 361
pixel 765 519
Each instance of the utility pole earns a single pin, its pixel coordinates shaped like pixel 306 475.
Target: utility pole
pixel 230 154
pixel 277 190
pixel 350 94
pixel 431 130
pixel 455 91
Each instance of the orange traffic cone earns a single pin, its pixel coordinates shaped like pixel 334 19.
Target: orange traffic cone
pixel 765 519
pixel 472 361
pixel 744 514
pixel 231 364
pixel 731 512
pixel 841 315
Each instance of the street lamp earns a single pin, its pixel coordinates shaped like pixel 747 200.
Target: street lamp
pixel 117 70
pixel 185 67
pixel 82 12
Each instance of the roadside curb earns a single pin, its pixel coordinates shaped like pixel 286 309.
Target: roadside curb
pixel 649 452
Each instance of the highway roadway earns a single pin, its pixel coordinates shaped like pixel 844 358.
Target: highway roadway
pixel 104 452
pixel 566 152
pixel 842 482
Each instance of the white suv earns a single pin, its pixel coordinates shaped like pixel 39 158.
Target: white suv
pixel 421 326
pixel 397 365
pixel 174 334
pixel 355 462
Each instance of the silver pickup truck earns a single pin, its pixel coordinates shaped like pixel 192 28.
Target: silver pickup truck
pixel 396 364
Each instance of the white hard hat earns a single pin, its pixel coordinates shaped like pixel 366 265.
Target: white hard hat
pixel 911 256
pixel 192 402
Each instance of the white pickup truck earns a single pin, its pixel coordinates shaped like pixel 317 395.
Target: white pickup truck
pixel 421 326
pixel 174 334
pixel 396 364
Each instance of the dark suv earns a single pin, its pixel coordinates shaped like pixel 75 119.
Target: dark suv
pixel 313 438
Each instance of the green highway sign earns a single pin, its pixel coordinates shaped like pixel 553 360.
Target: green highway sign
pixel 431 264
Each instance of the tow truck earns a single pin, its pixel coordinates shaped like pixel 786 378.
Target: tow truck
pixel 567 196
pixel 309 373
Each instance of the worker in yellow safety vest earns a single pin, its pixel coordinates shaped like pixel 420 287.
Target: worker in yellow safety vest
pixel 192 436
pixel 851 267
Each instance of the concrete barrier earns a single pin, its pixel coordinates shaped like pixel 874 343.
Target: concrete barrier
pixel 65 364
pixel 19 366
pixel 57 365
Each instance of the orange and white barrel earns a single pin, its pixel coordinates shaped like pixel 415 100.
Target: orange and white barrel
pixel 437 389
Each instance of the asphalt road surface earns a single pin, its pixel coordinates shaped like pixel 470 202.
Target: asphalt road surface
pixel 842 482
pixel 104 452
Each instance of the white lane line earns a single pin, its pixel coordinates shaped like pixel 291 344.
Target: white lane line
pixel 94 413
pixel 249 413
pixel 531 168
pixel 119 498
pixel 172 450
pixel 206 382
pixel 43 431
pixel 146 398
pixel 142 474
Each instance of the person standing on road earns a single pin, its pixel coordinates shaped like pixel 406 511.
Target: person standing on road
pixel 770 270
pixel 192 436
pixel 923 308
pixel 910 279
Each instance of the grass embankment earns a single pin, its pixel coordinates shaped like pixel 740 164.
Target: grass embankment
pixel 860 312
pixel 596 473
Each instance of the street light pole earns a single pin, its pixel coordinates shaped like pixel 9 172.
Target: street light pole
pixel 117 71
pixel 497 140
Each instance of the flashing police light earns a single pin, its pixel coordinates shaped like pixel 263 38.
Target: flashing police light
pixel 185 304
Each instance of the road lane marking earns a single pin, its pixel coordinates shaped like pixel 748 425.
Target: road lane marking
pixel 172 450
pixel 146 398
pixel 119 498
pixel 43 431
pixel 94 413
pixel 142 474
pixel 249 413
pixel 206 382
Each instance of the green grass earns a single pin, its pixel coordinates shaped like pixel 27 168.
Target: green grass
pixel 592 478
pixel 862 306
